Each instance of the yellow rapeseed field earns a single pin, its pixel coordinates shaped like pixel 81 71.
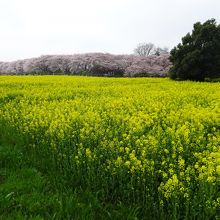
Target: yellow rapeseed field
pixel 141 140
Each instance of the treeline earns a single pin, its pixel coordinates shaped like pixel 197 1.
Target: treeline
pixel 96 64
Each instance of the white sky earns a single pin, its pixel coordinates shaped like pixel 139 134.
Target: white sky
pixel 32 28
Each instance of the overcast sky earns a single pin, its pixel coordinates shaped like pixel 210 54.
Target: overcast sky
pixel 32 28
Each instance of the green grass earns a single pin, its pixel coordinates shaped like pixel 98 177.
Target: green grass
pixel 26 193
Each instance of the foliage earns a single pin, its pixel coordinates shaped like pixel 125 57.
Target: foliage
pixel 26 193
pixel 95 64
pixel 151 145
pixel 198 56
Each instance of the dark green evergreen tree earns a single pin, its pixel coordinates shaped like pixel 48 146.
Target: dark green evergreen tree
pixel 198 56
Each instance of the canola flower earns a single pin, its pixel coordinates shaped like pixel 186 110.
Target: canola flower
pixel 143 137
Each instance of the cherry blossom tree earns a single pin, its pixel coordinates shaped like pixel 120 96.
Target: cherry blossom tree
pixel 97 64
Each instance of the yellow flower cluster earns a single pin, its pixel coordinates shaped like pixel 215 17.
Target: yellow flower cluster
pixel 156 130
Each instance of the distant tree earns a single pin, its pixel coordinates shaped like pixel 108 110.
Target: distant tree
pixel 157 66
pixel 198 56
pixel 99 64
pixel 144 49
pixel 160 51
pixel 148 49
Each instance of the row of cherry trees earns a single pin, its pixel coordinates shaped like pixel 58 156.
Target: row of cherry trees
pixel 97 64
